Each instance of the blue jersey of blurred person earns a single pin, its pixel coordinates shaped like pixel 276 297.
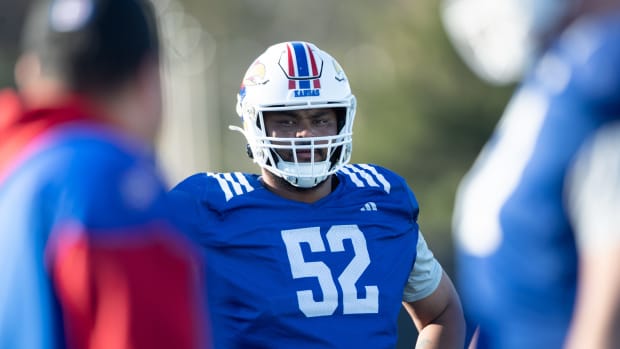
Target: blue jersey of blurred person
pixel 313 252
pixel 536 219
pixel 88 256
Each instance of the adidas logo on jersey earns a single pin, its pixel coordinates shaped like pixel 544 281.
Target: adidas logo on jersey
pixel 369 206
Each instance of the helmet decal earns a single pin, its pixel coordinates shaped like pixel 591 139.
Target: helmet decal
pixel 255 75
pixel 339 71
pixel 303 69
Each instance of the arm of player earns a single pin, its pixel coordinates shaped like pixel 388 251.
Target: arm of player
pixel 597 312
pixel 127 290
pixel 432 302
pixel 439 317
pixel 593 192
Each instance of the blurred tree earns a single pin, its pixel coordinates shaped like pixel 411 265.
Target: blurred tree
pixel 12 13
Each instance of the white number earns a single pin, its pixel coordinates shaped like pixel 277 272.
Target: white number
pixel 351 304
pixel 336 235
pixel 301 269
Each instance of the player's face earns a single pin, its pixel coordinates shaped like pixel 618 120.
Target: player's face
pixel 301 124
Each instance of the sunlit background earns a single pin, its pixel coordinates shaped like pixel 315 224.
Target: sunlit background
pixel 420 112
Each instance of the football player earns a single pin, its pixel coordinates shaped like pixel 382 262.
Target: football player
pixel 313 252
pixel 536 218
pixel 89 257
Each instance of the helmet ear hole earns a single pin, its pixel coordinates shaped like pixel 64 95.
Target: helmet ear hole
pixel 341 115
pixel 248 151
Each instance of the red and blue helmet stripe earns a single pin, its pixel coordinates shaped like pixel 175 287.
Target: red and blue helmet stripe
pixel 303 70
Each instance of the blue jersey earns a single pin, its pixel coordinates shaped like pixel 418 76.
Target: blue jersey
pixel 517 252
pixel 84 232
pixel 286 274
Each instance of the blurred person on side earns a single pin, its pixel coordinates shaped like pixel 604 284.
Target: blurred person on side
pixel 88 255
pixel 536 219
pixel 314 252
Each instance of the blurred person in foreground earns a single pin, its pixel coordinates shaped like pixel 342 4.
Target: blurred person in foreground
pixel 537 220
pixel 313 252
pixel 88 257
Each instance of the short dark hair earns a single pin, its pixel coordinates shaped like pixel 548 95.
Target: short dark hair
pixel 92 45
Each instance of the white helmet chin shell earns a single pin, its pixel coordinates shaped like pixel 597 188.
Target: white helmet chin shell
pixel 305 173
pixel 294 76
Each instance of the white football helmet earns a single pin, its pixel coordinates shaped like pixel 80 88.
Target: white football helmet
pixel 499 39
pixel 293 76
